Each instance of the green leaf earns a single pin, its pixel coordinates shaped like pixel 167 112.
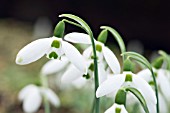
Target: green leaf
pixel 117 37
pixel 139 96
pixel 59 29
pixel 103 36
pixel 157 63
pixel 166 58
pixel 79 20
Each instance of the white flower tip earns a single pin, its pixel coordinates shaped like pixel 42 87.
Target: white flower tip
pixel 19 60
pixel 61 15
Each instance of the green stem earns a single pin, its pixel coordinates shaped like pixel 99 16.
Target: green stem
pixel 45 85
pixel 97 100
pixel 82 24
pixel 73 23
pixel 156 90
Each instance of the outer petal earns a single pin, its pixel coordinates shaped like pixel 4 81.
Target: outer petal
pixel 164 83
pixel 71 74
pixel 87 52
pixel 110 85
pixel 54 66
pixel 26 91
pixel 74 56
pixel 111 60
pixel 102 73
pixel 163 105
pixel 78 38
pixel 145 90
pixel 80 82
pixel 52 97
pixel 33 51
pixel 145 74
pixel 33 101
pixel 113 109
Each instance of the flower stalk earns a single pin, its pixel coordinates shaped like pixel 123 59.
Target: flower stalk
pixel 82 24
pixel 44 83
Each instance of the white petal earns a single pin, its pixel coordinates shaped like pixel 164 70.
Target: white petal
pixel 164 83
pixel 79 82
pixel 26 91
pixel 74 56
pixel 102 73
pixel 33 101
pixel 145 74
pixel 111 60
pixel 113 109
pixel 52 97
pixel 87 52
pixel 33 51
pixel 78 38
pixel 145 90
pixel 54 66
pixel 110 85
pixel 162 104
pixel 71 74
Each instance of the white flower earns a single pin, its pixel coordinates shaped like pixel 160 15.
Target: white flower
pixel 104 53
pixel 54 48
pixel 112 84
pixel 116 108
pixel 32 95
pixel 54 66
pixel 162 77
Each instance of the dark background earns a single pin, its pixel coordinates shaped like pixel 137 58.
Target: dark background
pixel 145 20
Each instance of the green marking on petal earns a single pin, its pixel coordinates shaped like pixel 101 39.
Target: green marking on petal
pixel 53 55
pixel 20 60
pixel 117 110
pixel 91 67
pixel 87 76
pixel 128 78
pixel 55 44
pixel 151 83
pixel 156 74
pixel 98 48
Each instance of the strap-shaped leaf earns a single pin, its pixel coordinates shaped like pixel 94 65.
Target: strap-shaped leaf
pixel 139 96
pixel 117 37
pixel 79 20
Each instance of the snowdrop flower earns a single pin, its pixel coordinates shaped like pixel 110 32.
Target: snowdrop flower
pixel 116 108
pixel 162 77
pixel 128 79
pixel 54 66
pixel 54 48
pixel 32 95
pixel 104 53
pixel 64 67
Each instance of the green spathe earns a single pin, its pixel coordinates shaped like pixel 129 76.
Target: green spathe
pixel 103 36
pixel 121 96
pixel 59 29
